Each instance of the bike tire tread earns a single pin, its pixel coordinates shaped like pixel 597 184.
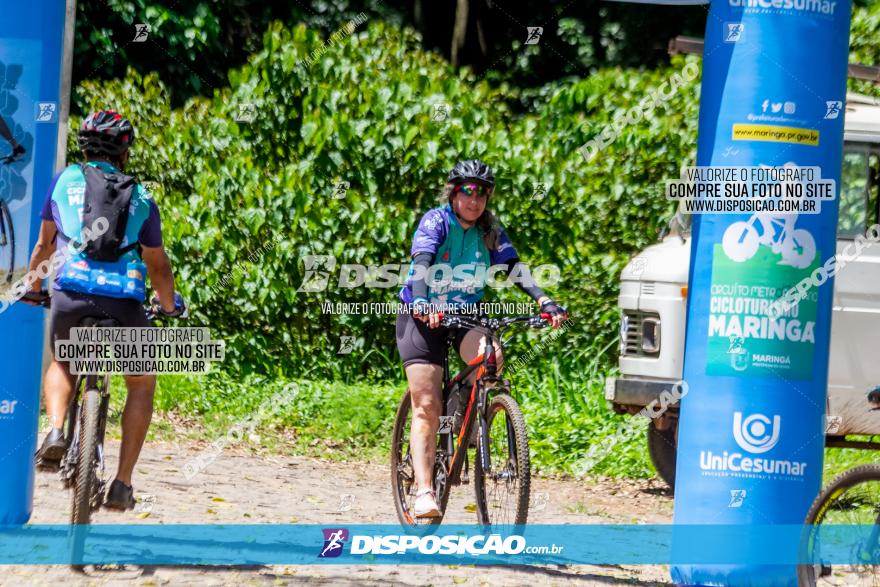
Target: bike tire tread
pixel 512 410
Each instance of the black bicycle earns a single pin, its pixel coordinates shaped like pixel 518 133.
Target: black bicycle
pixel 502 473
pixel 82 466
pixel 7 234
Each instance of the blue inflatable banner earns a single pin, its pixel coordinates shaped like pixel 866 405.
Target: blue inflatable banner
pixel 751 434
pixel 31 107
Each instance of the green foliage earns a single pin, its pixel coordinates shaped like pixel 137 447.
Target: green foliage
pixel 354 421
pixel 192 44
pixel 243 203
pixel 362 113
pixel 865 45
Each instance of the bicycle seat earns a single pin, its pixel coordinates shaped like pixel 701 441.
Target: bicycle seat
pixel 97 322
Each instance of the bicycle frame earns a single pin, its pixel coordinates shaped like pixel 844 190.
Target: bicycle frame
pixel 485 368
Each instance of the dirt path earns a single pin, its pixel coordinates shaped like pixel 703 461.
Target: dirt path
pixel 239 487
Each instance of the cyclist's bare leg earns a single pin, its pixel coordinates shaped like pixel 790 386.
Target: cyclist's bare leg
pixel 57 391
pixel 135 422
pixel 472 345
pixel 424 382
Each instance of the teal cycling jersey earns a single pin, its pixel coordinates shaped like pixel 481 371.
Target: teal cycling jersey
pixel 461 259
pixel 124 278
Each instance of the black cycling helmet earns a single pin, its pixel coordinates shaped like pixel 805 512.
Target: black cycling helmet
pixel 105 133
pixel 472 170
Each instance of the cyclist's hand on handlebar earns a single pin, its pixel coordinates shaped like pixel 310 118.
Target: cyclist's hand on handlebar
pixel 180 310
pixel 557 312
pixel 422 311
pixel 32 297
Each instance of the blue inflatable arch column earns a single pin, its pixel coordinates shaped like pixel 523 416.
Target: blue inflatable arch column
pixel 751 431
pixel 36 42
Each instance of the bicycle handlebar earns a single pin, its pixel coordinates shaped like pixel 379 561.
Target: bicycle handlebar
pixel 43 299
pixel 494 324
pixel 40 298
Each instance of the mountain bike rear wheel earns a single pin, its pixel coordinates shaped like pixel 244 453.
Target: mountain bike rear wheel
pixel 86 474
pixel 403 482
pixel 852 498
pixel 7 244
pixel 502 491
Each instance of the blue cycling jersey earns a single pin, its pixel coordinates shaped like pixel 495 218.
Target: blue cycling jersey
pixel 461 258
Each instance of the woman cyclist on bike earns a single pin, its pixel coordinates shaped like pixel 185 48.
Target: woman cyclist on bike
pixel 463 232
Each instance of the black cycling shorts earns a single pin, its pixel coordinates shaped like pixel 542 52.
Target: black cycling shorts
pixel 69 308
pixel 418 343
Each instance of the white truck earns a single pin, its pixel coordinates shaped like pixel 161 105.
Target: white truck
pixel 653 294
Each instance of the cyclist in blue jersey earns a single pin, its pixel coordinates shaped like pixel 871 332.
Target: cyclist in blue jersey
pixel 85 286
pixel 463 234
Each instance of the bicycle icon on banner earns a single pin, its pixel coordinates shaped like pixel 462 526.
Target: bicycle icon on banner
pixel 796 245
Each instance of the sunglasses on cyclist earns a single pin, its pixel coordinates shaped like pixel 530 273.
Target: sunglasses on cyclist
pixel 470 189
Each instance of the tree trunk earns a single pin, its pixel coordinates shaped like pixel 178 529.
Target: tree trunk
pixel 459 32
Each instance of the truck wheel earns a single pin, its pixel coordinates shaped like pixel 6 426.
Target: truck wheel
pixel 662 448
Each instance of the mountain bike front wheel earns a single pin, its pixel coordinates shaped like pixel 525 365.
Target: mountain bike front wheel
pixel 852 499
pixel 502 490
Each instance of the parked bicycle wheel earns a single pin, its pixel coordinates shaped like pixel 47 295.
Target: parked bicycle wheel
pixel 7 244
pixel 852 498
pixel 403 481
pixel 502 491
pixel 86 486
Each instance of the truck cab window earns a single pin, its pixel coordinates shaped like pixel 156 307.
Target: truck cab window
pixel 858 190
